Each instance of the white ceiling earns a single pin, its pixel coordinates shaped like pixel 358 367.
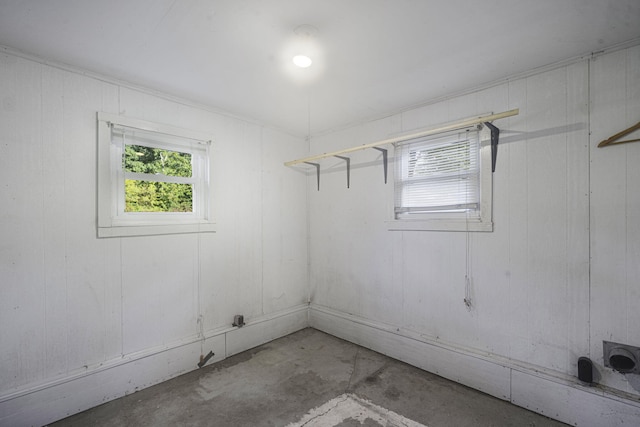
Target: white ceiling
pixel 372 57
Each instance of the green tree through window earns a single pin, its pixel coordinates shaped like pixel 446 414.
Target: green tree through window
pixel 151 196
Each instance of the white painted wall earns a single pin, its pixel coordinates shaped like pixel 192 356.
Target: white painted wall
pixel 558 274
pixel 615 209
pixel 73 305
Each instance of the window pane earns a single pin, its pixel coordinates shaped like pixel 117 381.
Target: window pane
pixel 433 162
pixel 141 159
pixel 439 175
pixel 146 196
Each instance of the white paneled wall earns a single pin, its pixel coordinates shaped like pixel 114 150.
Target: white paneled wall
pixel 75 308
pixel 558 274
pixel 615 208
pixel 85 320
pixel 357 263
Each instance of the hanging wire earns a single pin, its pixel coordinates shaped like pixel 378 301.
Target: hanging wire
pixel 309 117
pixel 467 276
pixel 201 333
pixel 199 296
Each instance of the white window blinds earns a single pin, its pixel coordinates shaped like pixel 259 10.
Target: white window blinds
pixel 438 175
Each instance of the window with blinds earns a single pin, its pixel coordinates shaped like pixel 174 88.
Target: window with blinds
pixel 440 177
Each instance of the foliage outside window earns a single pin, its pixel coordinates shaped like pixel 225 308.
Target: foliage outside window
pixel 156 196
pixel 153 179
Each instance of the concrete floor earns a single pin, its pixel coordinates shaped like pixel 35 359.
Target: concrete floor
pixel 276 384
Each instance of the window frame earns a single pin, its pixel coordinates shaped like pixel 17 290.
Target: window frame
pixel 451 221
pixel 112 220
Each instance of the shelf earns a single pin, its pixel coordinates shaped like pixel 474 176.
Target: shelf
pixel 433 131
pixel 495 134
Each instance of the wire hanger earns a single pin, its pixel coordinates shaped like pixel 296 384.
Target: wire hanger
pixel 613 139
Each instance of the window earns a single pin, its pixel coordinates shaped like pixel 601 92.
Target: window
pixel 444 182
pixel 152 178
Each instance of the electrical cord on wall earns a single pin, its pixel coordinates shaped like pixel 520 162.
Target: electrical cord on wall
pixel 201 333
pixel 467 279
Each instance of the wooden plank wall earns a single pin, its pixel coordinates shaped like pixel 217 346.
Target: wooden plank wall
pixel 557 276
pixel 560 271
pixel 615 209
pixel 72 303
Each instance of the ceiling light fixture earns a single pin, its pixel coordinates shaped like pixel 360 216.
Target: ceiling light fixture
pixel 302 61
pixel 306 35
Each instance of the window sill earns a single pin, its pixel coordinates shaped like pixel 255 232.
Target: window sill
pixel 439 225
pixel 155 230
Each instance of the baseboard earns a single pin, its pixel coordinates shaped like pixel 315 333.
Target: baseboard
pixel 534 388
pixel 47 402
pixel 570 404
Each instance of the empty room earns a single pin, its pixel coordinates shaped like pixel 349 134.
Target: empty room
pixel 320 213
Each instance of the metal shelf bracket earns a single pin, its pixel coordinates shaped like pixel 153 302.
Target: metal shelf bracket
pixel 385 160
pixel 495 136
pixel 317 165
pixel 348 160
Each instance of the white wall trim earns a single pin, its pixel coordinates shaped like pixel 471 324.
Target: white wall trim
pixel 552 394
pixel 538 389
pixel 51 400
